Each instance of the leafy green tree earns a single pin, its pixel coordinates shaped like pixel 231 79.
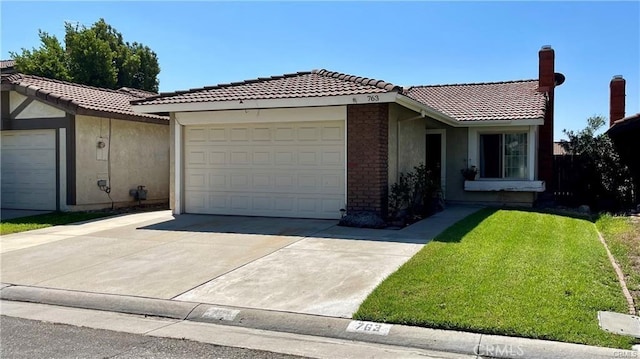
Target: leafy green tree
pixel 602 180
pixel 96 56
pixel 50 60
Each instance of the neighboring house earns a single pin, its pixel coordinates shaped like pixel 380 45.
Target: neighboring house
pixel 624 131
pixel 7 66
pixel 559 150
pixel 59 139
pixel 308 144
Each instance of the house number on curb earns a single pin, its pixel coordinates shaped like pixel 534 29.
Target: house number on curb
pixel 220 314
pixel 368 328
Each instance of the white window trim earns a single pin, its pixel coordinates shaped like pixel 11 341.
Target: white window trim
pixel 474 146
pixel 443 157
pixel 504 185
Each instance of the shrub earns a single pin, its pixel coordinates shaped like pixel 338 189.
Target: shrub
pixel 414 195
pixel 601 180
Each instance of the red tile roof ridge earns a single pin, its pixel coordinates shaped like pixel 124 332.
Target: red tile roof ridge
pixel 359 80
pixel 472 84
pixel 18 76
pixel 321 72
pixel 223 85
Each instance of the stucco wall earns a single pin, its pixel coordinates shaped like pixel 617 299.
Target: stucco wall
pixel 406 141
pixel 35 109
pixel 407 149
pixel 139 155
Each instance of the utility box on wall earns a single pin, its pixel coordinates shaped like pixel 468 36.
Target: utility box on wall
pixel 139 194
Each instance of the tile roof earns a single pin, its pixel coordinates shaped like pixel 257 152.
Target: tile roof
pixel 625 124
pixel 510 100
pixel 80 99
pixel 137 92
pixel 558 149
pixel 4 64
pixel 316 83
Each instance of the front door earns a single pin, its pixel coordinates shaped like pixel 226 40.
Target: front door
pixel 433 160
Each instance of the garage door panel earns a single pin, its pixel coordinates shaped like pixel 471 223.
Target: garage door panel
pixel 291 169
pixel 263 182
pixel 28 169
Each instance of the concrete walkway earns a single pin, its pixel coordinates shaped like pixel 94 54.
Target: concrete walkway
pixel 294 265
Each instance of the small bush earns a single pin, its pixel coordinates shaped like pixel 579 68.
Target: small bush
pixel 415 195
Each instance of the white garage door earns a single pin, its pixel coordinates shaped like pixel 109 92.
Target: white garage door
pixel 28 169
pixel 275 169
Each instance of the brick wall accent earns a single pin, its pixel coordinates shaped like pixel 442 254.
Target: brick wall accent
pixel 367 158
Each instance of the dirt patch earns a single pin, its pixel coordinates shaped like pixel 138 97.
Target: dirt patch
pixel 134 209
pixel 631 239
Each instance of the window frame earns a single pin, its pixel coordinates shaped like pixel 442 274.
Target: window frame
pixel 474 149
pixel 502 149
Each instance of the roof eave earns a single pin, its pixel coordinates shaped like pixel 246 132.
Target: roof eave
pixel 318 101
pixel 504 122
pixel 425 110
pixel 122 116
pixel 72 107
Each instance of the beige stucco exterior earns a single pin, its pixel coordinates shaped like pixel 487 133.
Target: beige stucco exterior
pixel 139 156
pixel 407 149
pixel 35 109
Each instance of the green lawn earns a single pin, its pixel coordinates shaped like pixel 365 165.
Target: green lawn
pixel 622 235
pixel 506 272
pixel 46 220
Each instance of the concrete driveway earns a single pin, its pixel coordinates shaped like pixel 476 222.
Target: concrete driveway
pixel 294 265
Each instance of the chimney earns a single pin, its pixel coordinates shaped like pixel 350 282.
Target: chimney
pixel 616 100
pixel 546 84
pixel 546 76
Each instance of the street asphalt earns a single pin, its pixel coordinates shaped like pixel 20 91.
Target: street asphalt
pixel 28 339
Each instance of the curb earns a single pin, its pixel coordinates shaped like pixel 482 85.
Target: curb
pixel 340 328
pixel 106 302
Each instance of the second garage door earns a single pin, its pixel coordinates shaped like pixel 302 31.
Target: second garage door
pixel 29 169
pixel 276 169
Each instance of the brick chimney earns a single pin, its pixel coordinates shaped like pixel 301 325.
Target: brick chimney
pixel 546 84
pixel 616 99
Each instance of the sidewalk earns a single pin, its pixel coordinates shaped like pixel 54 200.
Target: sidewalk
pixel 197 321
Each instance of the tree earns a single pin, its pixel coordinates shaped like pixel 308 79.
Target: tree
pixel 96 56
pixel 602 180
pixel 49 60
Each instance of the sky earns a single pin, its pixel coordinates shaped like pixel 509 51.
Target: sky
pixel 406 43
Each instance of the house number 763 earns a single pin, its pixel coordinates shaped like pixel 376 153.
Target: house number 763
pixel 369 327
pixel 373 98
